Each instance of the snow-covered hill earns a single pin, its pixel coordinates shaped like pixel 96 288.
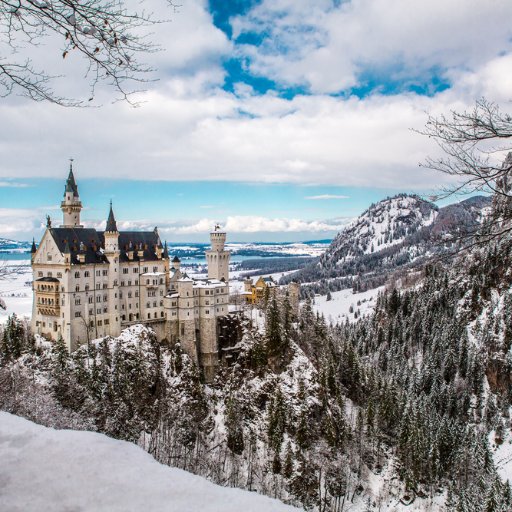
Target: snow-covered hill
pixel 382 225
pixel 395 233
pixel 44 469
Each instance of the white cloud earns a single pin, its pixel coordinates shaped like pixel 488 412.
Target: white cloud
pixel 326 48
pixel 190 129
pixel 232 224
pixel 13 184
pixel 326 197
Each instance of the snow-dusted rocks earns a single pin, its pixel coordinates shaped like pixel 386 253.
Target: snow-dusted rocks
pixel 44 469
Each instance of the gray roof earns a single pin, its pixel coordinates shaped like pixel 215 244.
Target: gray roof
pixel 71 183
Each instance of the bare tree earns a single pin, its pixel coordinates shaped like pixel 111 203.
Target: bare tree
pixel 474 143
pixel 108 35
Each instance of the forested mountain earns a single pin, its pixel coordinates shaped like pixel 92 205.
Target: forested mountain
pixel 396 233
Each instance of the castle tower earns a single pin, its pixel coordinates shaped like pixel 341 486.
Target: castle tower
pixel 111 233
pixel 71 205
pixel 218 258
pixel 111 237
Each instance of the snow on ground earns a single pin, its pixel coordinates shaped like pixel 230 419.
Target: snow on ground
pixel 502 454
pixel 48 470
pixel 16 290
pixel 339 308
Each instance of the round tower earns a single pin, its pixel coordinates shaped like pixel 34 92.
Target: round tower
pixel 71 205
pixel 217 257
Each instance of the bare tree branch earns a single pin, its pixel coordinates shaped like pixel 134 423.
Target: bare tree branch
pixel 469 139
pixel 104 32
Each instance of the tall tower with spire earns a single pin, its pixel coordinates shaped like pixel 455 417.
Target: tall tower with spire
pixel 111 233
pixel 217 257
pixel 71 205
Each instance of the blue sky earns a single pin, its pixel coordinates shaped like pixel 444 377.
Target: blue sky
pixel 280 119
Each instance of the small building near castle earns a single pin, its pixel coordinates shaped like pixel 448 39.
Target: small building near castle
pixel 88 284
pixel 266 288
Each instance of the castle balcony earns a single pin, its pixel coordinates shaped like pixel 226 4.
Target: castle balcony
pixel 47 296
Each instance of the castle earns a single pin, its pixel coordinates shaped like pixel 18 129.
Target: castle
pixel 88 284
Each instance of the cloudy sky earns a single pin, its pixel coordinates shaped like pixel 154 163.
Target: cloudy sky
pixel 281 119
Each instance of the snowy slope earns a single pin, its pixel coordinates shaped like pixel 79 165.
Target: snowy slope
pixel 44 469
pixel 383 225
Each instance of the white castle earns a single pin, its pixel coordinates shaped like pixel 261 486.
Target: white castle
pixel 88 284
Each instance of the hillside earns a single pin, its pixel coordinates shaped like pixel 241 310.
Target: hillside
pixel 52 470
pixel 396 233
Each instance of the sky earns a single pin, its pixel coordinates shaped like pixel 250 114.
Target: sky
pixel 281 119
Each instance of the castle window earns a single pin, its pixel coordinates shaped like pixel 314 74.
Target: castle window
pixel 129 306
pixel 161 303
pixel 207 302
pixel 105 272
pixel 77 275
pixel 136 282
pixel 99 322
pixel 105 298
pixel 78 314
pixel 129 295
pixel 129 283
pixel 156 315
pixel 147 281
pixel 207 292
pixel 145 269
pixel 125 271
pixel 49 257
pixel 135 270
pixel 148 305
pixel 182 330
pixel 115 282
pixel 161 293
pixel 98 273
pixel 136 294
pixel 107 321
pixel 98 298
pixel 122 307
pixel 98 311
pixel 155 269
pixel 77 288
pixel 86 287
pixel 154 304
pixel 91 312
pixel 77 302
pixel 123 318
pixel 98 286
pixel 91 323
pixel 105 309
pixel 207 311
pixel 91 299
pixel 122 283
pixel 59 274
pixel 162 314
pixel 105 286
pixel 149 316
pixel 39 274
pixel 86 273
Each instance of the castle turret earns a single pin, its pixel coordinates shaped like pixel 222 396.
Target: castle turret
pixel 33 250
pixel 111 238
pixel 217 257
pixel 111 233
pixel 71 205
